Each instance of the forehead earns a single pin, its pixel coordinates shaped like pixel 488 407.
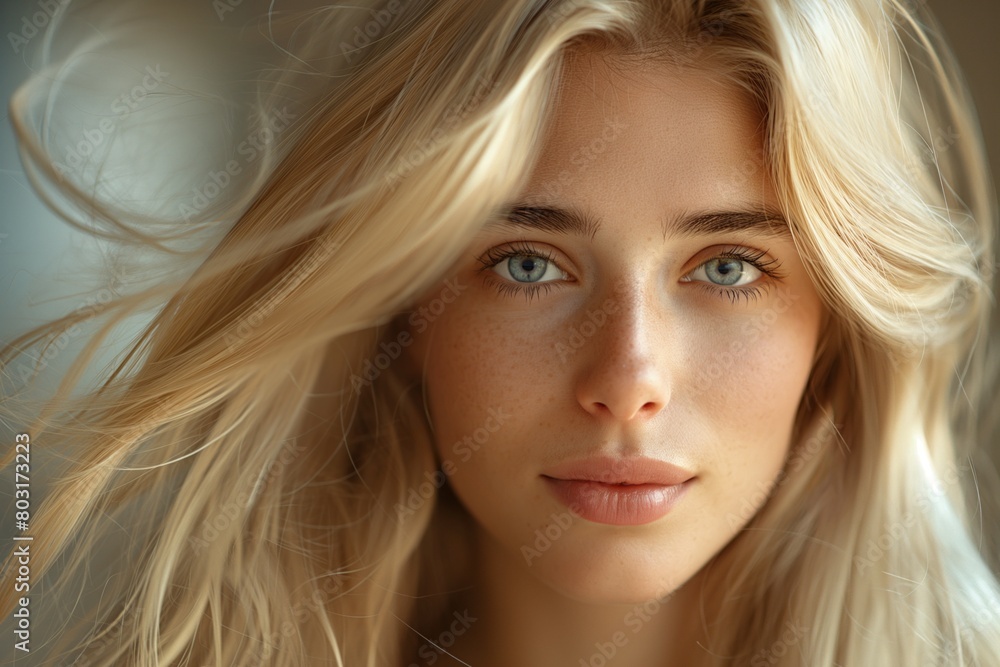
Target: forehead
pixel 677 137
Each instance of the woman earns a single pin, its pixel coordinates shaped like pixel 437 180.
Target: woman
pixel 559 332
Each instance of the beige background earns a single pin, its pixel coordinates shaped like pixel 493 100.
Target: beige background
pixel 971 28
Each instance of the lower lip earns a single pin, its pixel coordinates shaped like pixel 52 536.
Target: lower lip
pixel 616 504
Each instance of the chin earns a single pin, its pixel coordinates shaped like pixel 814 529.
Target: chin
pixel 613 572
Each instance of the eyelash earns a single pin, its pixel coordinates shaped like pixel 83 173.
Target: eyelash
pixel 753 257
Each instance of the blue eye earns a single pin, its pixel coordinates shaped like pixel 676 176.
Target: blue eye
pixel 731 274
pixel 728 271
pixel 524 268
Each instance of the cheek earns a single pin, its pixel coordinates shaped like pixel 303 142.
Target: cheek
pixel 749 383
pixel 752 384
pixel 493 394
pixel 476 363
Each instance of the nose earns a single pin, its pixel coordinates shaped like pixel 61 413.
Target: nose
pixel 623 375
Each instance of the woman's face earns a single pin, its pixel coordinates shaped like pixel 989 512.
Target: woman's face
pixel 637 305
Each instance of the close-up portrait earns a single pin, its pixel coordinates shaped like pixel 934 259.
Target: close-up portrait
pixel 506 333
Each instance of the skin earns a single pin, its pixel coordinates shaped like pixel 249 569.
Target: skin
pixel 681 142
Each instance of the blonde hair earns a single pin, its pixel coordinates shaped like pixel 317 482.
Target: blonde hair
pixel 256 462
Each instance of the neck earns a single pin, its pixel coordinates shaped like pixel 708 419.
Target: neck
pixel 510 617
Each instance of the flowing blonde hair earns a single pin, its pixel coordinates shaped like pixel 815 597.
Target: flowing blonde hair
pixel 248 463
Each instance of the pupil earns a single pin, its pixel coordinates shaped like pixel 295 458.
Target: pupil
pixel 728 270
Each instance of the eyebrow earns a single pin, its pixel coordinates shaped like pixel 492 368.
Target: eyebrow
pixel 764 222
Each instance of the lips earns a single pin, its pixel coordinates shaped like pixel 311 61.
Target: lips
pixel 609 470
pixel 624 492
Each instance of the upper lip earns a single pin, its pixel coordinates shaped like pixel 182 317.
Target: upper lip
pixel 613 470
